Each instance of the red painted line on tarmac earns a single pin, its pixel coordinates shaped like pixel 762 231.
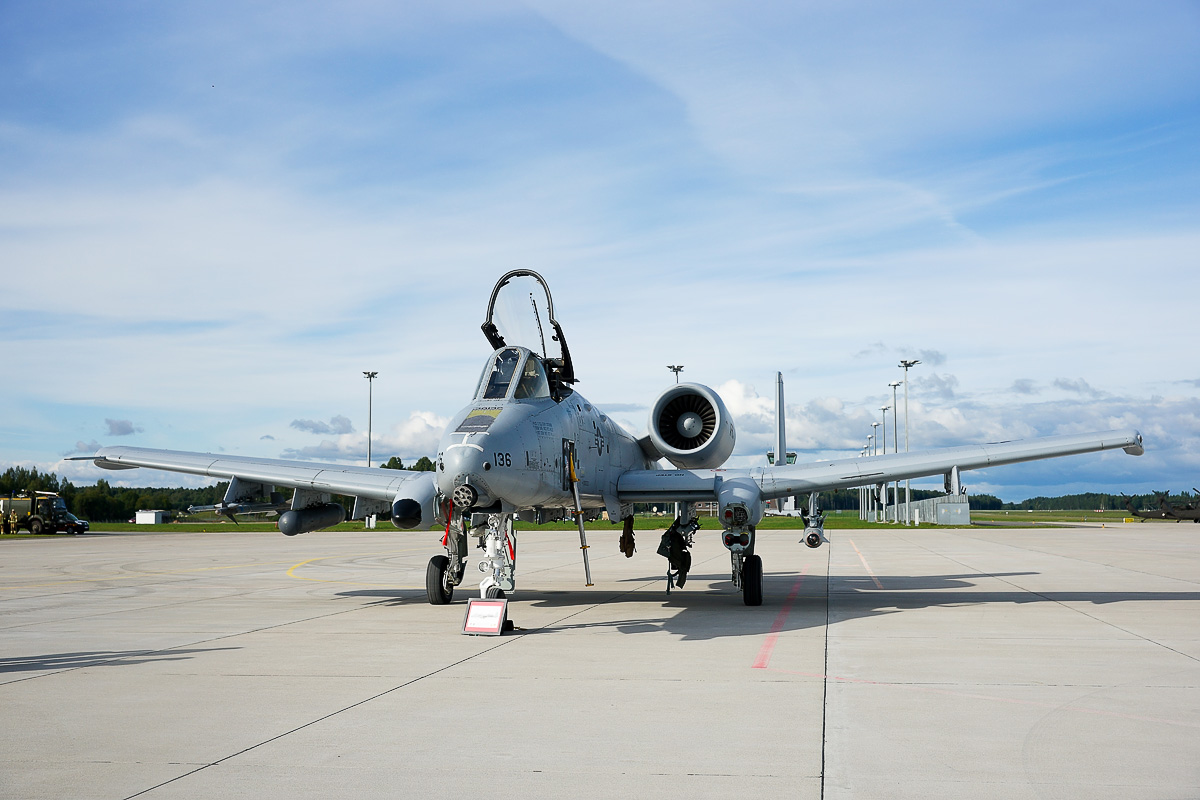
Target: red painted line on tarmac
pixel 866 566
pixel 768 646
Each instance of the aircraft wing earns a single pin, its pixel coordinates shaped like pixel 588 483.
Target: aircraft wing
pixel 641 486
pixel 360 482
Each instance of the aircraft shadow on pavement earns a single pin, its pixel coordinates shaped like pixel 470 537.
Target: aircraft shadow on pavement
pixel 396 597
pixel 98 658
pixel 708 607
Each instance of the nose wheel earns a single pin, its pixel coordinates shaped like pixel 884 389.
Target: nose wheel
pixel 752 580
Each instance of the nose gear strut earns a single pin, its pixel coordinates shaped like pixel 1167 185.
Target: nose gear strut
pixel 499 565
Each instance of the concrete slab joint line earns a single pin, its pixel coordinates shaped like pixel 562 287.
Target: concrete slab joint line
pixel 1013 663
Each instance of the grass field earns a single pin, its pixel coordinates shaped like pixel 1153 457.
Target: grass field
pixel 834 520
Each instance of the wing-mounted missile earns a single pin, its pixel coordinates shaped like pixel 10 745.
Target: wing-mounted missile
pixel 245 497
pixel 276 505
pixel 690 426
pixel 519 301
pixel 814 522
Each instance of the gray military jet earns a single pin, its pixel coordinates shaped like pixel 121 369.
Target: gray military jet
pixel 529 447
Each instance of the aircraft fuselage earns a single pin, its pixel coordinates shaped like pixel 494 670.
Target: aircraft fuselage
pixel 514 451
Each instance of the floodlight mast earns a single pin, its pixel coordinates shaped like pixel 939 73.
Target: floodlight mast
pixel 883 511
pixel 370 376
pixel 896 449
pixel 676 368
pixel 874 498
pixel 906 363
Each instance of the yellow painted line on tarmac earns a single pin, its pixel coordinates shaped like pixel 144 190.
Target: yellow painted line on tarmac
pixel 291 573
pixel 118 576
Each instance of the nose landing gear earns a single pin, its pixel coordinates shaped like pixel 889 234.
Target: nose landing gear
pixel 499 543
pixel 497 539
pixel 748 574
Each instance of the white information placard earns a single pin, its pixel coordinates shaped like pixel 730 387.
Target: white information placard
pixel 485 617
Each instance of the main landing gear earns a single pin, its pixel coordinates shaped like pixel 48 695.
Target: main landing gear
pixel 674 547
pixel 496 538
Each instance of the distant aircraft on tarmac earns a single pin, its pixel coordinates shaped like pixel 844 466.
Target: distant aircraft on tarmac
pixel 1166 510
pixel 530 447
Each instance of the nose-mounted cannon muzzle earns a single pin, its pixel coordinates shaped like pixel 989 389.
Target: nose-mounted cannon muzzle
pixel 465 497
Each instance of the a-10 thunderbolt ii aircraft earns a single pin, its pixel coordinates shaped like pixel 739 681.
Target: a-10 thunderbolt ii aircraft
pixel 530 447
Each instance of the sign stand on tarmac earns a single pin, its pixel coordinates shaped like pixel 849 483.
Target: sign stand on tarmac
pixel 485 617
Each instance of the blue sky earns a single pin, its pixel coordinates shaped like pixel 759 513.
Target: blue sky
pixel 214 217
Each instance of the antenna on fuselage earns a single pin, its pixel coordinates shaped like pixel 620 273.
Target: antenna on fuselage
pixel 538 318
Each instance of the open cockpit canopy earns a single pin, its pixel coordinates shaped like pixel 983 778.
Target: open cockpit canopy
pixel 515 372
pixel 521 315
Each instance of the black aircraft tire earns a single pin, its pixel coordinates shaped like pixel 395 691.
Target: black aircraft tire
pixel 437 587
pixel 494 593
pixel 752 581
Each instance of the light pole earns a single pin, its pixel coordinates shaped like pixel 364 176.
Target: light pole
pixel 868 499
pixel 370 376
pixel 874 499
pixel 676 368
pixel 906 363
pixel 885 410
pixel 862 492
pixel 896 449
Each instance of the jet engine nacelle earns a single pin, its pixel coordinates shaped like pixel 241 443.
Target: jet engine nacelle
pixel 310 519
pixel 415 505
pixel 690 426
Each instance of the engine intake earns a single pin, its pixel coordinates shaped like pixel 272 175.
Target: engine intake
pixel 690 426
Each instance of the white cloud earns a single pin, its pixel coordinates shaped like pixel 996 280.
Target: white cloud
pixel 121 427
pixel 338 424
pixel 414 437
pixel 232 232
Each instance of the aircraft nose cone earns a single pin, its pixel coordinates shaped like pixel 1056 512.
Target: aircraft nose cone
pixel 462 479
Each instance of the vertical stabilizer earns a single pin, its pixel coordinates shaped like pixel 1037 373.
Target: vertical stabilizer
pixel 780 436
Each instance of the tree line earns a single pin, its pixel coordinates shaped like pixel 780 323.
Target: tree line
pixel 103 502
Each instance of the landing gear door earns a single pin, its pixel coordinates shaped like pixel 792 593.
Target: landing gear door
pixel 521 313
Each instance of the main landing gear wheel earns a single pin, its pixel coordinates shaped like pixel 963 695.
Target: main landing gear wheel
pixel 494 593
pixel 437 581
pixel 752 581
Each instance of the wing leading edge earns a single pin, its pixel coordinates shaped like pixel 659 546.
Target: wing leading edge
pixel 377 484
pixel 642 486
pixel 409 494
